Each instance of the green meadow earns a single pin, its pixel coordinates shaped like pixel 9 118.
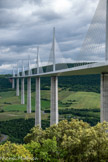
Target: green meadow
pixel 10 107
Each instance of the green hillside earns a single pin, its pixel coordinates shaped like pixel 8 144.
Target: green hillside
pixel 70 99
pixel 79 98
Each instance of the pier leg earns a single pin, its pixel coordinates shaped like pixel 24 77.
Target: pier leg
pixel 13 83
pixel 29 95
pixel 54 101
pixel 38 104
pixel 104 97
pixel 22 91
pixel 17 87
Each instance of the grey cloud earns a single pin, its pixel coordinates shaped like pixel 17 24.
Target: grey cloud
pixel 9 4
pixel 22 34
pixel 7 18
pixel 47 15
pixel 36 2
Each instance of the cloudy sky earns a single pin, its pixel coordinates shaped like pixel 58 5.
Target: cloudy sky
pixel 26 24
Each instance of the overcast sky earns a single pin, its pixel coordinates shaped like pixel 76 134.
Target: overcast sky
pixel 25 24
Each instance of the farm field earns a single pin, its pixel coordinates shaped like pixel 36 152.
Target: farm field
pixel 11 108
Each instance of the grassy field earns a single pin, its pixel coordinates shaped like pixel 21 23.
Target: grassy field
pixel 16 115
pixel 82 100
pixel 12 108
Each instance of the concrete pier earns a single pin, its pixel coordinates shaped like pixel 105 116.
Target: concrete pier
pixel 38 104
pixel 54 101
pixel 17 87
pixel 106 47
pixel 28 95
pixel 22 91
pixel 104 97
pixel 13 83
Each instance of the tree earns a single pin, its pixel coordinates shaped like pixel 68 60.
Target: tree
pixel 75 141
pixel 13 152
pixel 46 151
pixel 67 141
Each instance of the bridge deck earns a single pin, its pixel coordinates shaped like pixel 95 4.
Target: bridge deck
pixel 96 68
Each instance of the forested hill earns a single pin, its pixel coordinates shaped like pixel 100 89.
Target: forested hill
pixel 5 84
pixel 89 83
pixel 73 83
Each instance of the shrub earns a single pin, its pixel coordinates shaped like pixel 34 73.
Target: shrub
pixel 13 152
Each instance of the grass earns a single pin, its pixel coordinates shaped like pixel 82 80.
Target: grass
pixel 67 99
pixel 5 116
pixel 83 100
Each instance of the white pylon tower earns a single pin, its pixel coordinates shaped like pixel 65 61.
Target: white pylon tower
pixel 23 72
pixel 13 73
pixel 29 70
pixel 17 69
pixel 37 60
pixel 54 62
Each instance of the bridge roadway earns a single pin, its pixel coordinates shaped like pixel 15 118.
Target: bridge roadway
pixel 94 68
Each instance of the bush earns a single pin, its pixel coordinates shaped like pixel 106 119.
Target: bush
pixel 13 152
pixel 67 141
pixel 46 151
pixel 73 141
